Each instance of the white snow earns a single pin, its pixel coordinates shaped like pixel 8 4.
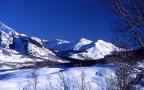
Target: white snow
pixel 7 29
pixel 88 49
pixel 58 44
pixel 101 49
pixel 81 43
pixel 37 39
pixel 11 59
pixel 95 50
pixel 20 45
pixel 56 78
pixel 6 39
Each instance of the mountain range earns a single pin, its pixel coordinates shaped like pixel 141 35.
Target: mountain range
pixel 16 47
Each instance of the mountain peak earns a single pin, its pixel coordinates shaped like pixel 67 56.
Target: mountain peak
pixel 101 42
pixel 104 43
pixel 105 46
pixel 61 41
pixel 85 40
pixel 81 43
pixel 7 29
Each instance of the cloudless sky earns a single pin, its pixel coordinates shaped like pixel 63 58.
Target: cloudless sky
pixel 52 19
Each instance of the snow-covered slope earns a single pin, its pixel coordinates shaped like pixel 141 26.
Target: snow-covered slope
pixel 8 30
pixel 16 48
pixel 100 49
pixel 89 78
pixel 95 50
pixel 10 39
pixel 83 48
pixel 97 77
pixel 81 43
pixel 57 45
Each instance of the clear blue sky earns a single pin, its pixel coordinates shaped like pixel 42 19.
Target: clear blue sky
pixel 52 19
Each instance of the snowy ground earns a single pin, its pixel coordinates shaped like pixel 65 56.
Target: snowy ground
pixel 57 78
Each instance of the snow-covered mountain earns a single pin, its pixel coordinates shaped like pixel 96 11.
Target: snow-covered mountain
pixel 83 48
pixel 27 45
pixel 20 48
pixel 57 45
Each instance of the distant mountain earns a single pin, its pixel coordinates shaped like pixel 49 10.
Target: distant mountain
pixel 82 49
pixel 57 45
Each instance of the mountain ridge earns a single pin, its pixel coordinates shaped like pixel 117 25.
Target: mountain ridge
pixel 80 49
